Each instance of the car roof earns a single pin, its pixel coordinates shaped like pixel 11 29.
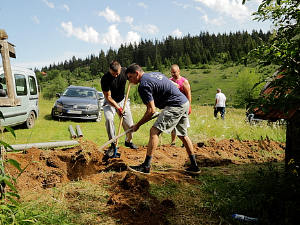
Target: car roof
pixel 80 87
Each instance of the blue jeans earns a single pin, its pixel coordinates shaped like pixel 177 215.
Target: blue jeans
pixel 221 110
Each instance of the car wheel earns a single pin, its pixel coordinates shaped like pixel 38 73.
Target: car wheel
pixel 52 115
pixel 99 116
pixel 29 123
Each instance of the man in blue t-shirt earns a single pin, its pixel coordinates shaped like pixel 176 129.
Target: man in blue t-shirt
pixel 156 90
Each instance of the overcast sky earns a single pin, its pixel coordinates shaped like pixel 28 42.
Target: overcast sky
pixel 48 31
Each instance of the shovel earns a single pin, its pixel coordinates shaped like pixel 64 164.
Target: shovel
pixel 120 135
pixel 121 121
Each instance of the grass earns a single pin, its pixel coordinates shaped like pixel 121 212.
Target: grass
pixel 203 127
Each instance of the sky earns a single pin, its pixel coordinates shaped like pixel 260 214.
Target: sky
pixel 52 31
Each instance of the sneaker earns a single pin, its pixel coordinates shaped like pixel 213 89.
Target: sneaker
pixel 193 170
pixel 130 145
pixel 111 151
pixel 173 144
pixel 140 169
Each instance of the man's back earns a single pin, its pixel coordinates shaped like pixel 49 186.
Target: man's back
pixel 221 99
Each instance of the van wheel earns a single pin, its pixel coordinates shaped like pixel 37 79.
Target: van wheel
pixel 30 120
pixel 99 116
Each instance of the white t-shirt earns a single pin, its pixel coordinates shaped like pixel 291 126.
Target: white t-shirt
pixel 221 99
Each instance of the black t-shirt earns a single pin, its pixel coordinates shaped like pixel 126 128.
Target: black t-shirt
pixel 116 85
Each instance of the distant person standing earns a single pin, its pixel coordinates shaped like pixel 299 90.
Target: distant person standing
pixel 220 104
pixel 184 86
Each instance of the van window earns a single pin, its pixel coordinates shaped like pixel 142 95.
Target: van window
pixel 32 85
pixel 21 85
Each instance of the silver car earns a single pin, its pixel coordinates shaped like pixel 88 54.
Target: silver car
pixel 78 102
pixel 101 96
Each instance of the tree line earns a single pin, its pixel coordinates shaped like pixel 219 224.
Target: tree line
pixel 154 55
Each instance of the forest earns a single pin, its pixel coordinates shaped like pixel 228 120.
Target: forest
pixel 188 52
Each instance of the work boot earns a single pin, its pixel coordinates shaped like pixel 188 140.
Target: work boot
pixel 111 151
pixel 140 169
pixel 130 145
pixel 193 170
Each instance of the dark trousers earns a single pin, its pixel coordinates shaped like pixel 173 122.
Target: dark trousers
pixel 221 110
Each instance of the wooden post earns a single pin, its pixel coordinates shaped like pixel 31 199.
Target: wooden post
pixel 7 50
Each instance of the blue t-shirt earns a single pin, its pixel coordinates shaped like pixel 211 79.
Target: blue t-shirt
pixel 156 86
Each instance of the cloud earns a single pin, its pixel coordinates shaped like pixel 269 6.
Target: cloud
pixel 64 6
pixel 185 6
pixel 49 4
pixel 89 35
pixel 110 15
pixel 132 37
pixel 35 19
pixel 129 19
pixel 177 33
pixel 218 22
pixel 143 5
pixel 233 8
pixel 149 28
pixel 111 38
pixel 200 9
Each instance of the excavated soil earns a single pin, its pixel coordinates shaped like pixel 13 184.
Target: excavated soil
pixel 53 168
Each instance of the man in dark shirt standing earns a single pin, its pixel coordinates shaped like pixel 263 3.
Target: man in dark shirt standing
pixel 113 86
pixel 156 90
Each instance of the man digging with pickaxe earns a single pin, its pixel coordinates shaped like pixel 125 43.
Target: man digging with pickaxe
pixel 113 86
pixel 156 90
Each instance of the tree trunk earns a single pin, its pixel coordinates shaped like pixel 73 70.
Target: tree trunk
pixel 292 150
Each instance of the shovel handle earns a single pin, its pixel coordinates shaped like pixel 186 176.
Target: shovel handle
pixel 113 139
pixel 121 119
pixel 120 135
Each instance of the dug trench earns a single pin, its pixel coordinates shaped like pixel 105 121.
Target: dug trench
pixel 46 169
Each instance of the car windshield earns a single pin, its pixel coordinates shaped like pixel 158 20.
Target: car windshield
pixel 79 93
pixel 101 95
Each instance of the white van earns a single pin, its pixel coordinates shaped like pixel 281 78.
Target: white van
pixel 26 108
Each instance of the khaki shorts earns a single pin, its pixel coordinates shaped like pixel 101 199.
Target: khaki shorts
pixel 174 118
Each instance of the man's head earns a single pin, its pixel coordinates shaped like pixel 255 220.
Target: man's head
pixel 218 90
pixel 134 73
pixel 115 68
pixel 175 71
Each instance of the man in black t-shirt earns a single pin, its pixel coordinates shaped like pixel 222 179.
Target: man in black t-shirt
pixel 113 86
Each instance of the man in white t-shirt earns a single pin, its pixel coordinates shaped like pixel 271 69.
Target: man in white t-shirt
pixel 220 104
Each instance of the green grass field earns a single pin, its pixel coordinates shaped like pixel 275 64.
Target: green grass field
pixel 203 127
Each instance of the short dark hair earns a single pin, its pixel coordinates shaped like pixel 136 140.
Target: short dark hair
pixel 133 68
pixel 114 66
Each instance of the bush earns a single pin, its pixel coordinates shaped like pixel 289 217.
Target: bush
pixel 206 71
pixel 204 66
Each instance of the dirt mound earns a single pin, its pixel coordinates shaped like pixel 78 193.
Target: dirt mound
pixel 129 197
pixel 132 203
